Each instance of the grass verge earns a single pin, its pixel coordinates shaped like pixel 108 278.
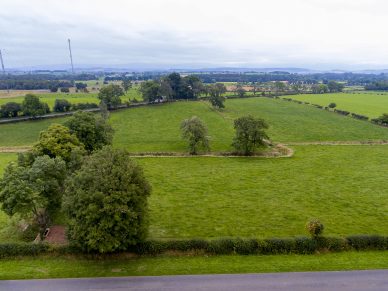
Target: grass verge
pixel 71 266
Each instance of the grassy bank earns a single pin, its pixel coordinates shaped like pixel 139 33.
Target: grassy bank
pixel 69 267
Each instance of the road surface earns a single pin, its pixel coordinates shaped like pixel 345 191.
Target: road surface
pixel 348 280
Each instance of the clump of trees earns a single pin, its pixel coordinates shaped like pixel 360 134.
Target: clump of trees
pixel 33 191
pixel 111 95
pixel 172 87
pixel 334 86
pixel 216 97
pixel 32 106
pixel 101 184
pixel 195 132
pixel 250 134
pixel 319 88
pixel 92 130
pixel 62 105
pixel 106 201
pixel 10 109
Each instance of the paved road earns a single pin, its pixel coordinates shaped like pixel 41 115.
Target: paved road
pixel 352 280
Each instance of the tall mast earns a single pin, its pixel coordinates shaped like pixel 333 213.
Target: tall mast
pixel 71 57
pixel 2 62
pixel 3 68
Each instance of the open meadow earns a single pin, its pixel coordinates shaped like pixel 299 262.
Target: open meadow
pixel 211 197
pixel 157 128
pixel 368 103
pixel 73 98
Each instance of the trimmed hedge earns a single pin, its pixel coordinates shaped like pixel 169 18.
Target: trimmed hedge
pixel 224 246
pixel 22 249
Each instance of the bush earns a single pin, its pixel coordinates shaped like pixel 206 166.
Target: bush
pixel 22 249
pixel 10 109
pixel 62 105
pixel 368 242
pixel 65 90
pixel 315 228
pixel 83 106
pixel 343 112
pixel 359 116
pixel 32 106
pixel 332 105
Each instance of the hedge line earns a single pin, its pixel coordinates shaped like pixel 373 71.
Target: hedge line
pixel 226 246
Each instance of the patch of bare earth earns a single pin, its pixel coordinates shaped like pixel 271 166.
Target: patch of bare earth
pixel 56 235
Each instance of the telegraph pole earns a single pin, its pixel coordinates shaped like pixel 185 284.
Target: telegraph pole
pixel 3 68
pixel 71 57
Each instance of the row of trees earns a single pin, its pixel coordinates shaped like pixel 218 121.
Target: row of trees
pixel 250 135
pixel 172 87
pixel 31 106
pixel 73 168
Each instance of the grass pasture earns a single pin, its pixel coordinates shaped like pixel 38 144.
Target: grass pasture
pixel 371 104
pixel 156 128
pixel 73 98
pixel 250 197
pixel 258 197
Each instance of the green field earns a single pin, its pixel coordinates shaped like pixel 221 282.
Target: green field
pixel 250 197
pixel 70 267
pixel 73 98
pixel 156 128
pixel 371 104
pixel 258 197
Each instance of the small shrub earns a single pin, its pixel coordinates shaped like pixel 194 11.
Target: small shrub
pixel 332 105
pixel 315 228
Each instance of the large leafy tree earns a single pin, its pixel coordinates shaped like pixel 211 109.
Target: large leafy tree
pixel 32 106
pixel 195 132
pixel 34 192
pixel 92 130
pixel 215 91
pixel 250 134
pixel 10 109
pixel 111 95
pixel 58 141
pixel 106 201
pixel 150 90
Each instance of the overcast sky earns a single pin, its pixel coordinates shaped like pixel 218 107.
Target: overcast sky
pixel 323 34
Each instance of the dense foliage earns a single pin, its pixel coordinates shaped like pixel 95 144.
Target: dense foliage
pixel 195 132
pixel 58 141
pixel 92 130
pixel 111 95
pixel 34 192
pixel 106 201
pixel 32 106
pixel 250 134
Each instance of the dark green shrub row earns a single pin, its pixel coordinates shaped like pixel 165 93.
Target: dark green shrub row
pixel 22 249
pixel 343 112
pixel 359 116
pixel 298 245
pixel 225 246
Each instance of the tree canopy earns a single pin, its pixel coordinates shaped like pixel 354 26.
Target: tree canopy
pixel 32 106
pixel 195 132
pixel 111 95
pixel 58 141
pixel 34 192
pixel 106 201
pixel 92 130
pixel 250 134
